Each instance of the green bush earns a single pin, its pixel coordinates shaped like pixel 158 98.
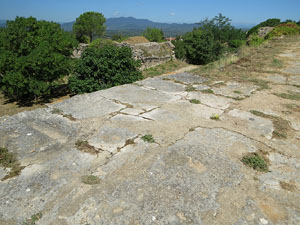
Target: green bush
pixel 180 51
pixel 284 29
pixel 201 47
pixel 99 43
pixel 154 34
pixel 268 23
pixel 33 56
pixel 105 67
pixel 255 40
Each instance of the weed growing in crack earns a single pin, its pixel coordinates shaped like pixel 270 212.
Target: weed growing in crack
pixel 189 87
pixel 290 95
pixel 9 160
pixel 237 92
pixel 60 112
pixel 90 179
pixel 148 138
pixel 255 161
pixel 84 146
pixel 215 117
pixel 33 219
pixel 195 101
pixel 208 91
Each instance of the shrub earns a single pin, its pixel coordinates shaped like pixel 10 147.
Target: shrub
pixel 154 34
pixel 105 67
pixel 180 51
pixel 99 43
pixel 255 161
pixel 255 40
pixel 200 47
pixel 268 23
pixel 284 29
pixel 33 56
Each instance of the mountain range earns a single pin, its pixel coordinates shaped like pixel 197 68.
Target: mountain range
pixel 131 26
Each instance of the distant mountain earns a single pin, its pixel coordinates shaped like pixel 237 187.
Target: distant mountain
pixel 132 26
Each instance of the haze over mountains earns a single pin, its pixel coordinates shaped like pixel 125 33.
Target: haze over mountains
pixel 131 26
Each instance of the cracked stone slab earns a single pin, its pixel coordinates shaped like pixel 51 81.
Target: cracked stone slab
pixel 160 115
pixel 260 125
pixel 186 78
pixel 276 78
pixel 128 118
pixel 139 97
pixel 111 139
pixel 293 69
pixel 235 90
pixel 88 106
pixel 132 111
pixel 162 85
pixel 211 100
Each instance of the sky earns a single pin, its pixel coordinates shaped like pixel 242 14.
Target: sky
pixel 177 11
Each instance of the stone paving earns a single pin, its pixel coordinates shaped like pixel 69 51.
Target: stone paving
pixel 190 173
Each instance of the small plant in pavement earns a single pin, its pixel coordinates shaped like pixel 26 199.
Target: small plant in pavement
pixel 148 138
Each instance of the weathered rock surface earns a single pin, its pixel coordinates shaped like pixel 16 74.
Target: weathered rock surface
pixel 190 174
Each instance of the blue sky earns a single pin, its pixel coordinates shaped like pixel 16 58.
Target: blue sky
pixel 183 11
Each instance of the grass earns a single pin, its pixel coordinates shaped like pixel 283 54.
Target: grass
pixel 288 186
pixel 84 146
pixel 208 91
pixel 255 161
pixel 60 112
pixel 33 219
pixel 293 107
pixel 9 160
pixel 215 117
pixel 277 63
pixel 148 138
pixel 167 67
pixel 195 101
pixel 189 88
pixel 281 126
pixel 237 92
pixel 262 84
pixel 291 95
pixel 90 179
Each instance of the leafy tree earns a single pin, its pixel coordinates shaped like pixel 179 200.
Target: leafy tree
pixel 33 56
pixel 90 24
pixel 154 34
pixel 201 47
pixel 100 68
pixel 268 23
pixel 298 23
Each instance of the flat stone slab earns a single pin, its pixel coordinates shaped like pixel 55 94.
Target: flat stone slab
pixel 211 100
pixel 260 125
pixel 111 139
pixel 186 78
pixel 162 85
pixel 235 90
pixel 88 106
pixel 139 97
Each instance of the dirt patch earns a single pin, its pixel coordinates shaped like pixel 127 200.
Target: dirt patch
pixel 136 40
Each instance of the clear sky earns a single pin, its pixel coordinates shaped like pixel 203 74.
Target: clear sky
pixel 179 11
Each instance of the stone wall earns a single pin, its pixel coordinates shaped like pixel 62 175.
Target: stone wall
pixel 151 54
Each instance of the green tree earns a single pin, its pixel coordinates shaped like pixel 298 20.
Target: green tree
pixel 268 23
pixel 90 24
pixel 154 34
pixel 100 68
pixel 33 56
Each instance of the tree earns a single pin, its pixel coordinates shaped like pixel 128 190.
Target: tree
pixel 154 34
pixel 90 24
pixel 33 56
pixel 100 68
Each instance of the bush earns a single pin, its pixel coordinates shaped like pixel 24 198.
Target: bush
pixel 268 23
pixel 201 47
pixel 105 67
pixel 255 40
pixel 284 29
pixel 33 56
pixel 180 51
pixel 99 43
pixel 154 34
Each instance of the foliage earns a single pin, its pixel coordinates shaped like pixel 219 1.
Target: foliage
pixel 268 23
pixel 255 40
pixel 255 161
pixel 99 43
pixel 201 47
pixel 148 138
pixel 154 34
pixel 90 24
pixel 284 29
pixel 118 37
pixel 105 67
pixel 195 101
pixel 90 179
pixel 180 51
pixel 33 56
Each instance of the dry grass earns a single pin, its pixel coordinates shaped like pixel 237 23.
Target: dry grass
pixel 136 40
pixel 164 68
